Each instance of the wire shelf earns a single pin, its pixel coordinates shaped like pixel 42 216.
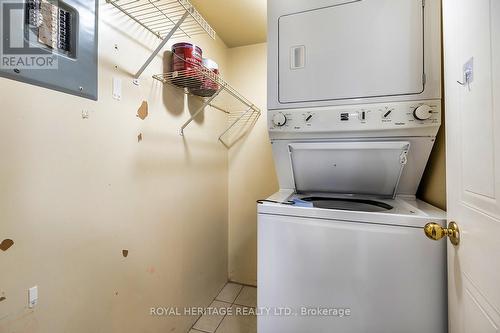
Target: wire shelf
pixel 161 16
pixel 215 92
pixel 165 19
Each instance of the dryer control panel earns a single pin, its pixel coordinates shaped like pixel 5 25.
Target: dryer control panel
pixel 369 117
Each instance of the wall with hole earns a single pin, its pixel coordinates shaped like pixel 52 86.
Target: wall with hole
pixel 111 214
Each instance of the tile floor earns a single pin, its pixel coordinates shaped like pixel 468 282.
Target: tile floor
pixel 239 299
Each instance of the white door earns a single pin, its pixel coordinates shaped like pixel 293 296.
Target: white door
pixel 472 31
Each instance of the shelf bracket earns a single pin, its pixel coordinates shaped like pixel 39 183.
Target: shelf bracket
pixel 250 109
pixel 162 44
pixel 200 110
pixel 219 108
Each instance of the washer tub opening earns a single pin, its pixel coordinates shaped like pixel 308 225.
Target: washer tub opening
pixel 359 205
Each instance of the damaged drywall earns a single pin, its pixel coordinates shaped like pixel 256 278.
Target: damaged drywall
pixel 6 244
pixel 143 112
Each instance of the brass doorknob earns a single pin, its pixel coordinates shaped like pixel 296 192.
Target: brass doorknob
pixel 435 232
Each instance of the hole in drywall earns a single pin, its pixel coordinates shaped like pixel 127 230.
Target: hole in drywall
pixel 139 137
pixel 2 298
pixel 142 112
pixel 6 244
pixel 125 253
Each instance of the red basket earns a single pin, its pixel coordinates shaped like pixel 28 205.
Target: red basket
pixel 187 59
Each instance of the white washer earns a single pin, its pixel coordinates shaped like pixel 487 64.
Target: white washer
pixel 353 239
pixel 379 266
pixel 354 99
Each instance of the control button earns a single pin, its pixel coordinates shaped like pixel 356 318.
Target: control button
pixel 362 115
pixel 423 112
pixel 308 117
pixel 279 119
pixel 387 114
pixel 344 116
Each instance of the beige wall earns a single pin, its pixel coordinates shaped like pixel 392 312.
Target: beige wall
pixel 251 167
pixel 252 174
pixel 76 192
pixel 433 186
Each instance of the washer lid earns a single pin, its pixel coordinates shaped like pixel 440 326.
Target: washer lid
pixel 372 168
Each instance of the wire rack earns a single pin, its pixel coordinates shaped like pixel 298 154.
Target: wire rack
pixel 165 19
pixel 161 16
pixel 214 92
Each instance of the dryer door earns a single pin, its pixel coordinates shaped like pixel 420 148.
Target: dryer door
pixel 356 49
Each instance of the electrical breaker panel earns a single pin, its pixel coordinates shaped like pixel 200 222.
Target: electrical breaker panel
pixel 59 44
pixel 52 25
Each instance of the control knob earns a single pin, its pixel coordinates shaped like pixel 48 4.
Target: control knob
pixel 279 119
pixel 423 112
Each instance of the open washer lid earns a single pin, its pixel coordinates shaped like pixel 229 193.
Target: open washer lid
pixel 370 168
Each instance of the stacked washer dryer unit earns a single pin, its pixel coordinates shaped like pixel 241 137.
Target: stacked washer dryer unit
pixel 354 98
